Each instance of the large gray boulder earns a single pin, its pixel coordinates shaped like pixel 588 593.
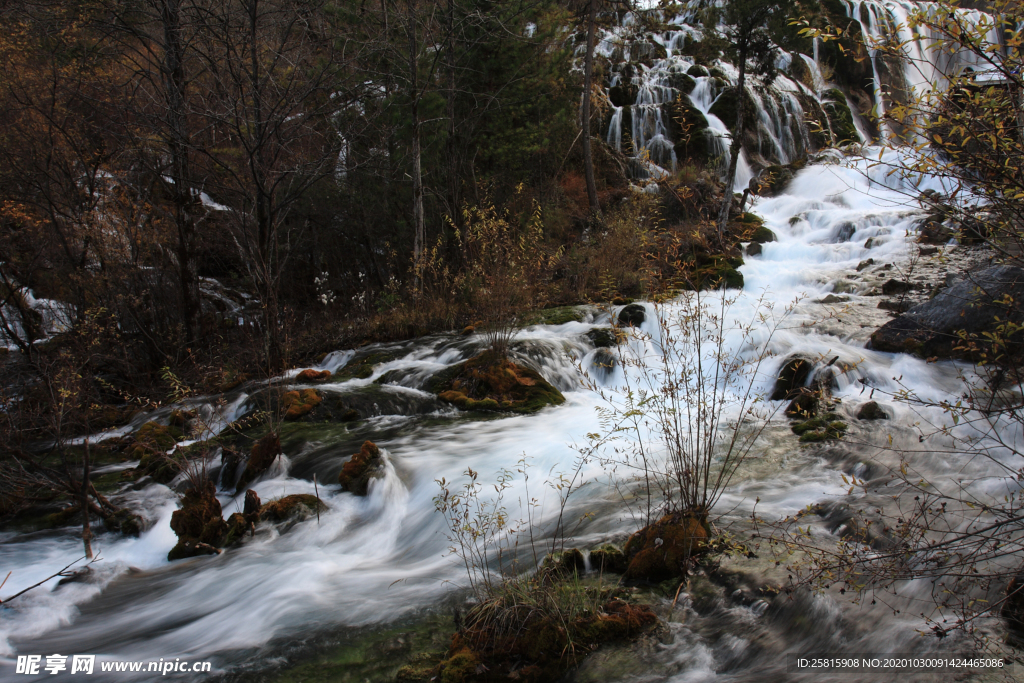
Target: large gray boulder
pixel 976 304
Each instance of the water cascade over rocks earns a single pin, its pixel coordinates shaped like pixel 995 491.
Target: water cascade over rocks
pixel 372 560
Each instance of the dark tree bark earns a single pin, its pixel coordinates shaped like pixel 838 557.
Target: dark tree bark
pixel 588 80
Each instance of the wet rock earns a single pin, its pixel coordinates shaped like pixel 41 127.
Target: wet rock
pixel 313 376
pixel 665 549
pixel 198 524
pixel 363 367
pixel 833 299
pixel 150 446
pixel 792 377
pixel 632 315
pixel 608 558
pixel 894 286
pixel 604 337
pixel 840 118
pixel 844 233
pixel 252 504
pixel 489 382
pixel 868 243
pixel 297 404
pixel 180 418
pixel 895 306
pixel 468 330
pixel 827 427
pixel 230 459
pixel 297 507
pixel 698 71
pixel 928 251
pixel 565 563
pixel 972 305
pixel 866 262
pixel 365 465
pixel 754 249
pixel 805 404
pixel 774 179
pixel 872 411
pixel 264 453
pixel 124 521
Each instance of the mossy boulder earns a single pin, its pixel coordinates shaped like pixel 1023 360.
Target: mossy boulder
pixel 490 382
pixel 682 82
pixel 124 521
pixel 181 418
pixel 727 105
pixel 558 315
pixel 632 315
pixel 688 127
pixel 717 272
pixel 363 367
pixel 665 549
pixel 608 558
pixel 297 404
pixel 622 95
pixel 198 524
pixel 698 71
pixel 296 507
pixel 827 427
pixel 263 454
pixel 365 465
pixel 840 118
pixel 150 446
pixel 565 563
pixel 313 376
pixel 604 337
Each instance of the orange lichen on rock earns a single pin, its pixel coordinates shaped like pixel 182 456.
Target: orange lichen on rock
pixel 198 524
pixel 494 383
pixel 311 375
pixel 296 404
pixel 665 549
pixel 365 465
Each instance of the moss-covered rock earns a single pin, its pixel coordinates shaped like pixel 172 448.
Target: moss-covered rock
pixel 840 117
pixel 632 315
pixel 604 337
pixel 688 127
pixel 263 454
pixel 124 521
pixel 698 71
pixel 198 524
pixel 313 376
pixel 297 507
pixel 727 104
pixel 492 383
pixel 150 447
pixel 559 315
pixel 180 418
pixel 682 82
pixel 608 558
pixel 365 465
pixel 297 404
pixel 665 549
pixel 363 367
pixel 827 427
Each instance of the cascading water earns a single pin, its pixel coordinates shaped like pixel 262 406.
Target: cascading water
pixel 369 561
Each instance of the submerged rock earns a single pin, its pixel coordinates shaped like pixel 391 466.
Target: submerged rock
pixel 872 411
pixel 298 507
pixel 365 465
pixel 664 549
pixel 981 303
pixel 489 382
pixel 604 337
pixel 827 427
pixel 632 315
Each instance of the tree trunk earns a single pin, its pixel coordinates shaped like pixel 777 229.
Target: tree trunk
pixel 588 78
pixel 86 529
pixel 735 146
pixel 417 175
pixel 178 142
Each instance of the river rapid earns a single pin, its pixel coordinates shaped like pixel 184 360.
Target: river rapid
pixel 374 561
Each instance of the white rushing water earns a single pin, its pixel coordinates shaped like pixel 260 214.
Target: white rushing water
pixel 372 560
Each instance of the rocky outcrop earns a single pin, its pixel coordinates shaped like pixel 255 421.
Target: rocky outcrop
pixel 665 549
pixel 489 382
pixel 365 465
pixel 972 306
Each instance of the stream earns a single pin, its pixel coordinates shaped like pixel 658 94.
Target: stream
pixel 374 561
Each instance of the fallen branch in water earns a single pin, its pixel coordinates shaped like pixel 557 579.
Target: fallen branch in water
pixel 62 573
